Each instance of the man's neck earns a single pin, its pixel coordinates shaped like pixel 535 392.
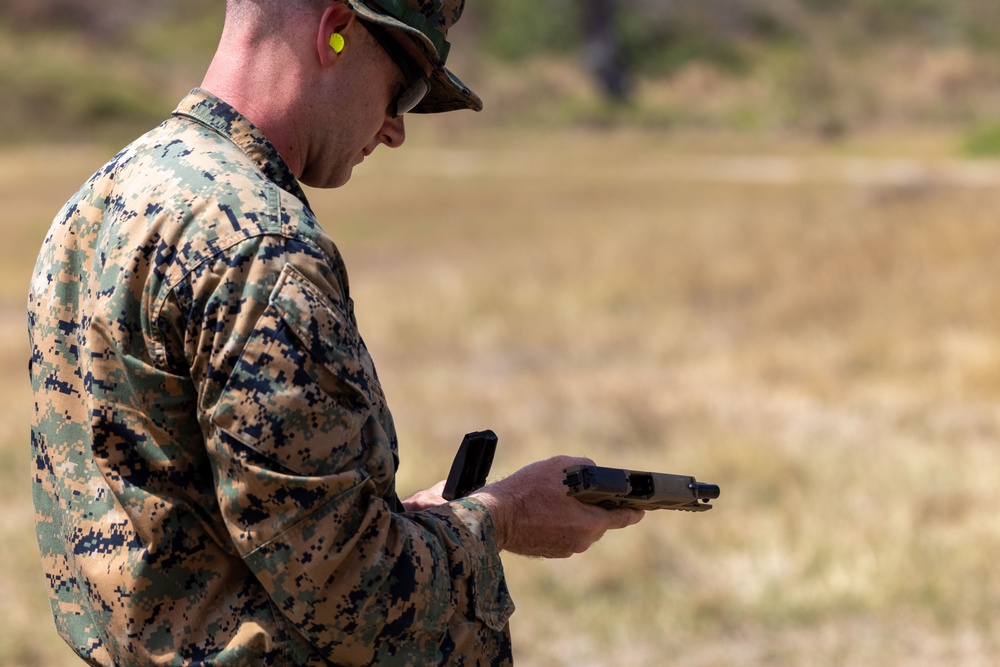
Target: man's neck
pixel 256 81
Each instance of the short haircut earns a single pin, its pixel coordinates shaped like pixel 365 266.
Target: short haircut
pixel 268 15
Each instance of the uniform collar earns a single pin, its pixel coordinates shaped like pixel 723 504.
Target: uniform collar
pixel 205 108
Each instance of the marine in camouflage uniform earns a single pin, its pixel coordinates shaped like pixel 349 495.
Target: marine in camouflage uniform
pixel 214 459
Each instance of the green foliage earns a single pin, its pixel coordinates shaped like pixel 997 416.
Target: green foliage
pixel 983 141
pixel 190 35
pixel 67 90
pixel 514 30
pixel 663 48
pixel 930 22
pixel 655 43
pixel 102 80
pixel 109 72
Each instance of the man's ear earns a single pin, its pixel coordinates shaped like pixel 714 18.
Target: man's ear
pixel 336 20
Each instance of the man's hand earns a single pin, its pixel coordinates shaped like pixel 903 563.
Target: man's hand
pixel 533 516
pixel 424 500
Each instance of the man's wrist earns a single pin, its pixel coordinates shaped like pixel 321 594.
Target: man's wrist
pixel 498 511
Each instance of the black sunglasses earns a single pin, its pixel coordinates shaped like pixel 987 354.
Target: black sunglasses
pixel 417 84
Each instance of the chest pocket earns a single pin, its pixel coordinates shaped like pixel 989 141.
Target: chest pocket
pixel 304 392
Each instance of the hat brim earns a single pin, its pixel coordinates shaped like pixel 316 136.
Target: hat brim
pixel 447 92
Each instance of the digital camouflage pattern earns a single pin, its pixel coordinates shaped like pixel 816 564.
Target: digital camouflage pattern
pixel 214 460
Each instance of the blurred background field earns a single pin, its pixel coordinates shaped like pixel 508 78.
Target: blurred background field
pixel 773 266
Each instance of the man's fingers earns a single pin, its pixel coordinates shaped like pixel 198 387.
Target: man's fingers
pixel 625 517
pixel 422 500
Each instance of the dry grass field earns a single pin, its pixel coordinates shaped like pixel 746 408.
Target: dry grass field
pixel 815 330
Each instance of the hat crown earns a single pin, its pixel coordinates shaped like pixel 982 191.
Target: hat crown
pixel 433 18
pixel 427 22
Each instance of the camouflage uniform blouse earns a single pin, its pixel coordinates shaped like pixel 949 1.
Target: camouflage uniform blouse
pixel 214 460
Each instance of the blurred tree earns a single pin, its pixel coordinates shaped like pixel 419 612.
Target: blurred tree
pixel 602 50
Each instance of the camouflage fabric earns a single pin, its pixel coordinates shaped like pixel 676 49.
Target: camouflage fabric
pixel 427 23
pixel 214 460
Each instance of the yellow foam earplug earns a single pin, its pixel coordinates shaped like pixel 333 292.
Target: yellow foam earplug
pixel 337 42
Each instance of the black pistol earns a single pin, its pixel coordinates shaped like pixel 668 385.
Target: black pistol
pixel 471 465
pixel 615 487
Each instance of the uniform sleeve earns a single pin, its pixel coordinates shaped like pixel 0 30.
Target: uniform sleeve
pixel 303 466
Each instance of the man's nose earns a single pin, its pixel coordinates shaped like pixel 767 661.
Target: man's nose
pixel 393 132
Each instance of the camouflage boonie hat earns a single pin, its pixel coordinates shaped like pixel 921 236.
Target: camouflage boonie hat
pixel 427 22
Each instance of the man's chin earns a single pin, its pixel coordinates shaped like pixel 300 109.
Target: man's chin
pixel 331 181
